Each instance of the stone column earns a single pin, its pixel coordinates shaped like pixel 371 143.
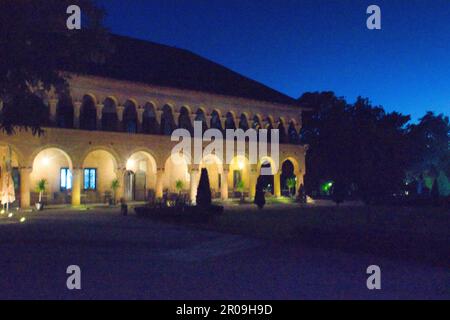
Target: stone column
pixel 52 105
pixel 25 187
pixel 77 174
pixel 277 184
pixel 99 109
pixel 1 105
pixel 194 183
pixel 253 180
pixel 120 110
pixel 76 114
pixel 159 183
pixel 224 182
pixel 140 118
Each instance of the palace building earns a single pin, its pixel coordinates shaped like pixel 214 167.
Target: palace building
pixel 117 121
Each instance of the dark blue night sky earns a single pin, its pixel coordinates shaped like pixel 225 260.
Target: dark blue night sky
pixel 310 45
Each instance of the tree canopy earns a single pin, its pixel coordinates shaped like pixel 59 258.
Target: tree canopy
pixel 35 43
pixel 367 150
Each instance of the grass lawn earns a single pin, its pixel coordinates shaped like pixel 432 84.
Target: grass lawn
pixel 285 221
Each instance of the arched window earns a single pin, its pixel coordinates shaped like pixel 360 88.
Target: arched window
pixel 149 122
pixel 216 123
pixel 229 122
pixel 256 123
pixel 184 121
pixel 167 121
pixel 243 123
pixel 200 116
pixel 109 115
pixel 130 117
pixel 64 112
pixel 88 114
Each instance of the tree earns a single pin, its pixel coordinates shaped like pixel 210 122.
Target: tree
pixel 204 190
pixel 338 192
pixel 291 183
pixel 357 144
pixel 429 140
pixel 260 199
pixel 435 195
pixel 240 187
pixel 36 48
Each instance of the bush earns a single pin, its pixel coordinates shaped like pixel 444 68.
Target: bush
pixel 204 190
pixel 260 199
pixel 301 198
pixel 339 192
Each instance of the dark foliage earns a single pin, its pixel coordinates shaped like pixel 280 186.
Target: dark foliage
pixel 339 192
pixel 204 190
pixel 260 199
pixel 357 144
pixel 372 152
pixel 301 197
pixel 35 45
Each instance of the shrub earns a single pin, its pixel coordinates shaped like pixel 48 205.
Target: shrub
pixel 204 190
pixel 41 186
pixel 339 192
pixel 301 194
pixel 260 199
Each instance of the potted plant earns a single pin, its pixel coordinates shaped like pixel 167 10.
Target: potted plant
pixel 291 183
pixel 115 185
pixel 240 187
pixel 179 185
pixel 41 187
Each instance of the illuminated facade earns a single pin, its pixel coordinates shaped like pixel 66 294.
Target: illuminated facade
pixel 111 129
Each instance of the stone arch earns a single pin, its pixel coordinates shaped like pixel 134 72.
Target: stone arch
pixel 130 118
pixel 216 120
pixel 214 165
pixel 65 111
pixel 167 120
pixel 142 167
pixel 99 170
pixel 176 168
pixel 230 122
pixel 184 119
pixel 288 171
pixel 257 122
pixel 200 115
pixel 55 165
pixel 88 113
pixel 239 170
pixel 243 122
pixel 150 123
pixel 109 114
